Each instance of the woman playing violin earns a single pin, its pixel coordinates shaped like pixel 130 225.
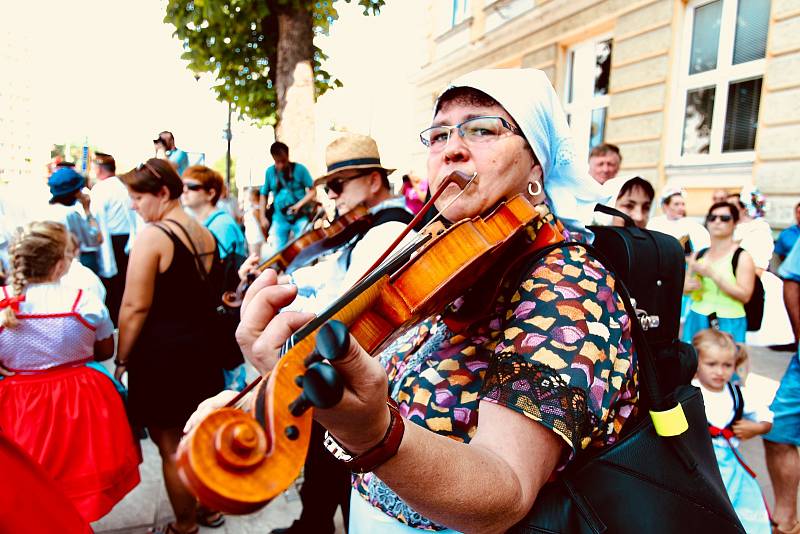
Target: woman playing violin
pixel 550 367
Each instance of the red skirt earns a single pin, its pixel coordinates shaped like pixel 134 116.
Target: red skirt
pixel 73 423
pixel 31 503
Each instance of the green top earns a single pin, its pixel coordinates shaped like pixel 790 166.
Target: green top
pixel 710 298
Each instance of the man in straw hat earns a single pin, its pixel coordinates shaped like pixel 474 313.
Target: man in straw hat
pixel 355 177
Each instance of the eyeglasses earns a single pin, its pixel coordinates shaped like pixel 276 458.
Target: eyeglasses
pixel 723 218
pixel 336 186
pixel 150 168
pixel 473 131
pixel 193 186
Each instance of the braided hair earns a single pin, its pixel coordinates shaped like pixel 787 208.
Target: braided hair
pixel 35 251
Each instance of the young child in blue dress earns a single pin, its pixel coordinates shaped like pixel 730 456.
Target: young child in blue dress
pixel 733 415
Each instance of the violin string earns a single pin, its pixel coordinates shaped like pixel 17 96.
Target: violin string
pixel 287 345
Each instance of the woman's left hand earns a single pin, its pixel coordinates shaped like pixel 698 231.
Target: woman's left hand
pixel 700 268
pixel 119 371
pixel 744 429
pixel 5 371
pixel 262 331
pixel 360 420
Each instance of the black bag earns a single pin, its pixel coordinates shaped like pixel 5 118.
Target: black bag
pixel 652 266
pixel 644 482
pixel 753 308
pixel 226 276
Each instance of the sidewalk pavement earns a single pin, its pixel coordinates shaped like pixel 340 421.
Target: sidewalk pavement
pixel 147 506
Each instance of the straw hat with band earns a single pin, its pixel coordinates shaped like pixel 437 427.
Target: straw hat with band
pixel 351 152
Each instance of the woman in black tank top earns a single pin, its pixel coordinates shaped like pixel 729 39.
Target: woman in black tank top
pixel 166 335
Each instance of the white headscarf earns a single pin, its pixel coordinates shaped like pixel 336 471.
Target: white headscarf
pixel 528 96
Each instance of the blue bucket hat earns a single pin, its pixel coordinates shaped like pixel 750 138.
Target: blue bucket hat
pixel 64 181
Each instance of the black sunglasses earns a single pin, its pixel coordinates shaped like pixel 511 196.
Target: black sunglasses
pixel 193 187
pixel 337 184
pixel 723 218
pixel 150 168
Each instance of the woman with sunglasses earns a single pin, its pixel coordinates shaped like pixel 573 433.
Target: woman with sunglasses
pixel 166 337
pixel 717 293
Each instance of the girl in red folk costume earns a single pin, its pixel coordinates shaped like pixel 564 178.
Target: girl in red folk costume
pixel 68 417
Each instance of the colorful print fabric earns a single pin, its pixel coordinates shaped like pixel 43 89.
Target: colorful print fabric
pixel 557 350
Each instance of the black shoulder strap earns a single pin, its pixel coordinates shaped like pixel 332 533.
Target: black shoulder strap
pixel 379 218
pixel 392 214
pixel 738 402
pixel 166 230
pixel 701 253
pixel 735 259
pixel 279 181
pixel 198 262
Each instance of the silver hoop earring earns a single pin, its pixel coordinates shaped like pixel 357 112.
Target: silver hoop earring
pixel 538 191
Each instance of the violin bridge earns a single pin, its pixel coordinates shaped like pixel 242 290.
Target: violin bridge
pixel 434 229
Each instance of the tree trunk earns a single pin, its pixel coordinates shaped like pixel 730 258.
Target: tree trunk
pixel 294 83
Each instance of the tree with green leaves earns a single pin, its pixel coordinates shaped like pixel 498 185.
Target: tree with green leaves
pixel 263 57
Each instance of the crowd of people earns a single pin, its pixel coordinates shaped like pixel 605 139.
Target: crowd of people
pixel 133 270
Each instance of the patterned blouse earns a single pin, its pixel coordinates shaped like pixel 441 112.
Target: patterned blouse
pixel 557 350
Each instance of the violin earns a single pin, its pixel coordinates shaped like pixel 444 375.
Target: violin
pixel 237 460
pixel 306 248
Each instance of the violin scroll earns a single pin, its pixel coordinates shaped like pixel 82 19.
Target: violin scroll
pixel 229 442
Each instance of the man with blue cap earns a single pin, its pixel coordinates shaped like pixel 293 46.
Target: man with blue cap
pixel 66 189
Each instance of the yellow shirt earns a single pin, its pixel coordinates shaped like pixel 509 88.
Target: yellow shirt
pixel 712 299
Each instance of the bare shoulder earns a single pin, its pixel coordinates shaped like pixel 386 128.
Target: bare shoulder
pixel 151 239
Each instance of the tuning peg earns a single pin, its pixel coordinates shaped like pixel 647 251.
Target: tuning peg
pixel 333 340
pixel 322 388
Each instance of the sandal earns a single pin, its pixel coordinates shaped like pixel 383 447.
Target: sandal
pixel 209 518
pixel 170 529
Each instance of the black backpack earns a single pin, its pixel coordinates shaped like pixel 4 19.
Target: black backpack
pixel 644 482
pixel 651 265
pixel 753 308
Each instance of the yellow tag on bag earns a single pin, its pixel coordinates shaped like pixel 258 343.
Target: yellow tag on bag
pixel 670 422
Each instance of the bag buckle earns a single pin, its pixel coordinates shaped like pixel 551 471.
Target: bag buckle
pixel 645 319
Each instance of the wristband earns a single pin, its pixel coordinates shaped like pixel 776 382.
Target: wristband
pixel 120 363
pixel 385 449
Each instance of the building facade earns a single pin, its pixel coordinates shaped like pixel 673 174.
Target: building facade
pixel 16 110
pixel 699 94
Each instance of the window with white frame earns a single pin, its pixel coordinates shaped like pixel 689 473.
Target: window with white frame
pixel 720 80
pixel 460 12
pixel 586 92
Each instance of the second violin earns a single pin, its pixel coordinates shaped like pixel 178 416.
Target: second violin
pixel 306 248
